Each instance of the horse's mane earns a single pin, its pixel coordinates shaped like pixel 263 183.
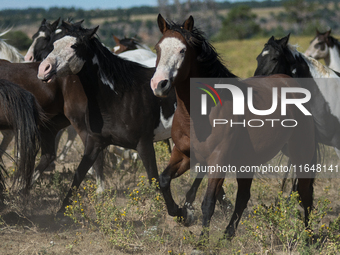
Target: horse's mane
pixel 114 71
pixel 211 63
pixel 334 41
pixel 321 70
pixel 9 52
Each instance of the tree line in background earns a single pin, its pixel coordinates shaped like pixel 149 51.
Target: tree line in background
pixel 300 17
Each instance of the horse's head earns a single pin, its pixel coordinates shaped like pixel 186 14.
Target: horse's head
pixel 40 40
pixel 319 46
pixel 174 55
pixel 68 55
pixel 275 58
pixel 124 44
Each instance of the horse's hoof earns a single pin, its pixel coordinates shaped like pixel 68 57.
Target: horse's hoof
pixel 189 215
pixel 229 235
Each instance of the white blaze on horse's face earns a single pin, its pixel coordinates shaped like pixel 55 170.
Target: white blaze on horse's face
pixel 317 49
pixel 171 54
pixel 265 52
pixel 62 60
pixel 29 57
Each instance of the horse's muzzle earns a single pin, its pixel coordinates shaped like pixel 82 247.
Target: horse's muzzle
pixel 163 88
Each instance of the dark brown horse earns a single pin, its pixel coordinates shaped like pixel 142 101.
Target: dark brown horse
pixel 62 104
pixel 121 108
pixel 184 53
pixel 20 112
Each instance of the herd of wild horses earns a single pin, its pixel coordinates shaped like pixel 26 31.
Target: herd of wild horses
pixel 132 97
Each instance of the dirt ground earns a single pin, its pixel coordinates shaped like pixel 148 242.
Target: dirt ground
pixel 28 225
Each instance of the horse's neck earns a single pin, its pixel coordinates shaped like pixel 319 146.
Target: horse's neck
pixel 183 97
pixel 333 58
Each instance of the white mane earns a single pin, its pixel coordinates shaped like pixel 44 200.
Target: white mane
pixel 9 52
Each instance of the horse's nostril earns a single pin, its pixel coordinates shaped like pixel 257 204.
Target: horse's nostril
pixel 48 67
pixel 164 83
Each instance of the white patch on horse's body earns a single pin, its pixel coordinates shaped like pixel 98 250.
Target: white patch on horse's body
pixel 30 51
pixel 137 55
pixel 334 59
pixel 265 52
pixel 143 46
pixel 294 71
pixel 330 87
pixel 116 48
pixel 163 131
pixel 103 78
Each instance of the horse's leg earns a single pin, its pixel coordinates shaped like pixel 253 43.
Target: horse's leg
pixel 98 166
pixel 242 198
pixel 71 136
pixel 178 164
pixel 208 206
pixel 92 149
pixel 8 136
pixel 191 194
pixel 146 152
pixel 51 166
pixel 48 134
pixel 305 189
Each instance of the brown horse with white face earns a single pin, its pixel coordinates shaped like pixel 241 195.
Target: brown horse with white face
pixel 184 53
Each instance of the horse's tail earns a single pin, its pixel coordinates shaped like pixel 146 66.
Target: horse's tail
pixel 23 114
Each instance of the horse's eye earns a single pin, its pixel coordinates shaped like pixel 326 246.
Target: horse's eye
pixel 320 46
pixel 182 51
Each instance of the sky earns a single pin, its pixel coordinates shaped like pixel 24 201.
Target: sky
pixel 84 4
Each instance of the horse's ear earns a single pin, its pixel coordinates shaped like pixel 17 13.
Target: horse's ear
pixel 284 41
pixel 317 31
pixel 91 32
pixel 55 24
pixel 66 25
pixel 163 26
pixel 189 24
pixel 43 22
pixel 78 24
pixel 328 33
pixel 116 39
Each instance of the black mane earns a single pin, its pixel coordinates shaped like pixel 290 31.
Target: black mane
pixel 333 41
pixel 211 63
pixel 120 72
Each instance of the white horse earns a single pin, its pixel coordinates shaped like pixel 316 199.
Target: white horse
pixel 324 46
pixel 141 56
